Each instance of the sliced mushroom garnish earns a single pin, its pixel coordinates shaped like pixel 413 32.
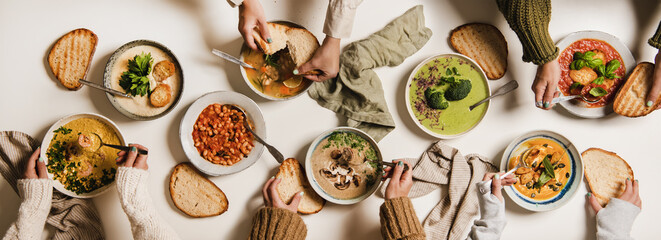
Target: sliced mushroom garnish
pixel 333 166
pixel 343 184
pixel 356 180
pixel 347 153
pixel 327 173
pixel 335 154
pixel 350 171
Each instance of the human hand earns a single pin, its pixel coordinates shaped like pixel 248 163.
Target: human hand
pixel 655 91
pixel 400 182
pixel 251 14
pixel 630 194
pixel 272 197
pixel 497 184
pixel 35 167
pixel 546 83
pixel 326 59
pixel 132 158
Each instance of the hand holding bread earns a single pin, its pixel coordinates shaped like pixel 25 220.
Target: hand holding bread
pixel 630 195
pixel 251 15
pixel 655 92
pixel 272 197
pixel 326 61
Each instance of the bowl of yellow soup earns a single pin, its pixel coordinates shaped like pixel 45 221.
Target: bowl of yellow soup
pixel 458 82
pixel 552 171
pixel 76 162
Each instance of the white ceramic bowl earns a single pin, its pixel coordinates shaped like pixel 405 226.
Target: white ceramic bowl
pixel 577 107
pixel 310 174
pixel 408 103
pixel 49 136
pixel 189 119
pixel 516 147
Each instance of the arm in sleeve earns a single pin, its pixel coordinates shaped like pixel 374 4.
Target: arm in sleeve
pixel 36 196
pixel 277 223
pixel 492 215
pixel 655 41
pixel 137 204
pixel 339 17
pixel 615 220
pixel 529 19
pixel 399 221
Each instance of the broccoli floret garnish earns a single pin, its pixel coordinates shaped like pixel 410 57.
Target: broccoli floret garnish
pixel 435 98
pixel 458 91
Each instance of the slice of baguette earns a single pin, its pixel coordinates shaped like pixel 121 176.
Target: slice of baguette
pixel 302 45
pixel 70 57
pixel 194 194
pixel 278 37
pixel 606 174
pixel 294 181
pixel 630 100
pixel 484 44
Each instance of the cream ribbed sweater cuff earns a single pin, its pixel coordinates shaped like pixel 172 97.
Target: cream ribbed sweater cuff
pixel 36 196
pixel 616 219
pixel 339 17
pixel 136 202
pixel 399 221
pixel 277 223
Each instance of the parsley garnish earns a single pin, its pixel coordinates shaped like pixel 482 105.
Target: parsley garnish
pixel 62 130
pixel 135 81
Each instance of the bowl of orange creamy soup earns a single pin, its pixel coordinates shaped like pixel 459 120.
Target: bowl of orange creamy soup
pixel 550 173
pixel 140 107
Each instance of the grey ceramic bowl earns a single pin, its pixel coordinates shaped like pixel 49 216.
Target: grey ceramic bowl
pixel 108 72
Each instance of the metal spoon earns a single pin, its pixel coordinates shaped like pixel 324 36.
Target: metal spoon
pixel 124 148
pixel 570 97
pixel 393 165
pixel 276 154
pixel 231 58
pixel 102 88
pixel 520 165
pixel 508 87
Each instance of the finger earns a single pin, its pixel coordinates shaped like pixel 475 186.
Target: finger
pixel 655 91
pixel 496 186
pixel 397 173
pixel 408 175
pixel 141 159
pixel 594 203
pixel 41 168
pixel 296 200
pixel 635 189
pixel 538 88
pixel 265 194
pixel 121 153
pixel 487 176
pixel 315 78
pixel 628 191
pixel 264 30
pixel 130 157
pixel 274 195
pixel 549 92
pixel 508 181
pixel 30 166
pixel 246 32
pixel 638 203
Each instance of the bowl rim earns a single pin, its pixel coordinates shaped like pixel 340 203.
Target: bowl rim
pixel 566 194
pixel 107 72
pixel 310 174
pixel 193 112
pixel 45 143
pixel 407 95
pixel 244 47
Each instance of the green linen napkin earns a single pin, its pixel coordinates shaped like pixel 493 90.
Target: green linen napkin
pixel 357 92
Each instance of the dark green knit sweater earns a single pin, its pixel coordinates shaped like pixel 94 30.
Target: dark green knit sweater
pixel 530 21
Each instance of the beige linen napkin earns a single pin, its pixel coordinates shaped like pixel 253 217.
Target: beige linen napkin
pixel 442 164
pixel 73 218
pixel 357 92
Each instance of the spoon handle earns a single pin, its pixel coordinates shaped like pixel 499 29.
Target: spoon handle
pixel 231 58
pixel 276 154
pixel 392 165
pixel 508 87
pixel 564 98
pixel 102 88
pixel 125 148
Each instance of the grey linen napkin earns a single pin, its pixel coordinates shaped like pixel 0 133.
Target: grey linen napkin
pixel 357 92
pixel 442 164
pixel 73 218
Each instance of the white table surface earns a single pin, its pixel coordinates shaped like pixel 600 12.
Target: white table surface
pixel 31 101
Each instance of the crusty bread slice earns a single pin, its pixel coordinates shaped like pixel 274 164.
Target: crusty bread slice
pixel 606 174
pixel 294 181
pixel 278 37
pixel 194 194
pixel 484 44
pixel 163 70
pixel 70 57
pixel 630 100
pixel 302 45
pixel 161 95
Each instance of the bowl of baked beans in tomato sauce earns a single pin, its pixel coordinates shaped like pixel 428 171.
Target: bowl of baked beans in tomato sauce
pixel 594 65
pixel 214 136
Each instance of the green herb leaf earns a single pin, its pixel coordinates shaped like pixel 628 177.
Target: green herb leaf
pixel 543 179
pixel 598 92
pixel 588 55
pixel 601 70
pixel 62 130
pixel 135 81
pixel 595 63
pixel 599 80
pixel 575 85
pixel 455 71
pixel 448 72
pixel 578 55
pixel 612 66
pixel 548 167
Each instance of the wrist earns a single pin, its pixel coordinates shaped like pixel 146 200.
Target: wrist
pixel 331 41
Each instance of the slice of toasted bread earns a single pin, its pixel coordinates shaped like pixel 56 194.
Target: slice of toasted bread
pixel 194 194
pixel 294 181
pixel 606 174
pixel 163 70
pixel 161 95
pixel 70 57
pixel 484 44
pixel 630 100
pixel 302 45
pixel 278 37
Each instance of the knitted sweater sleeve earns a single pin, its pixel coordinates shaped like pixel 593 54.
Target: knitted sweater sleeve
pixel 615 220
pixel 492 215
pixel 655 41
pixel 276 223
pixel 399 221
pixel 137 204
pixel 36 197
pixel 529 19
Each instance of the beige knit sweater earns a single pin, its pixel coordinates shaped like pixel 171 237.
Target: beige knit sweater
pixel 36 195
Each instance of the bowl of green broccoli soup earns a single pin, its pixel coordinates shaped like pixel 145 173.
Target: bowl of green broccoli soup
pixel 439 92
